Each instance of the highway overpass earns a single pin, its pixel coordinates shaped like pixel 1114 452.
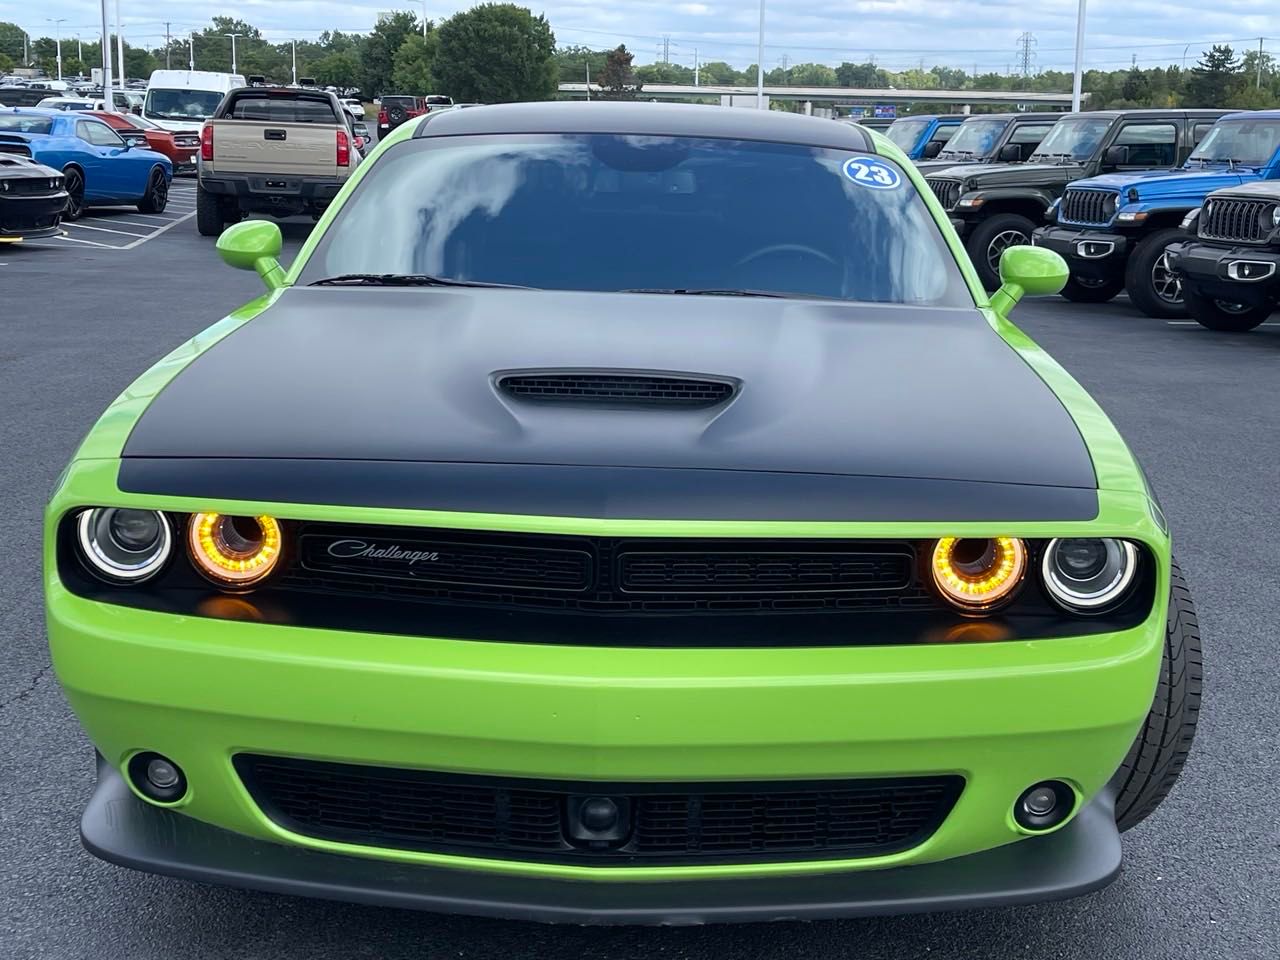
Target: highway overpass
pixel 830 95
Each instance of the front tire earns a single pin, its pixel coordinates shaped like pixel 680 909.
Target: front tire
pixel 1153 287
pixel 1223 317
pixel 989 240
pixel 157 196
pixel 1160 750
pixel 1095 291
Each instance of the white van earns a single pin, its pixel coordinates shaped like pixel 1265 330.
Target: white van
pixel 184 99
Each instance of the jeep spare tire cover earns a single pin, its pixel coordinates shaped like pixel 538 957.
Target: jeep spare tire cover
pixel 397 114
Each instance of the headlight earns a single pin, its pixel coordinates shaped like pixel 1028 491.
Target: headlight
pixel 235 551
pixel 124 545
pixel 1110 204
pixel 976 573
pixel 1088 575
pixel 1275 217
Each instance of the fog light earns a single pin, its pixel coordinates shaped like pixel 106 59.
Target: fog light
pixel 157 777
pixel 1044 806
pixel 234 551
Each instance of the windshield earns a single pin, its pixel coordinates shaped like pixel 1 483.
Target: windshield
pixel 1249 142
pixel 976 138
pixel 182 104
pixel 905 133
pixel 1078 138
pixel 24 123
pixel 622 213
pixel 140 122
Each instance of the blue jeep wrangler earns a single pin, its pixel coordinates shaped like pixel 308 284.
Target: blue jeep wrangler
pixel 922 138
pixel 1114 230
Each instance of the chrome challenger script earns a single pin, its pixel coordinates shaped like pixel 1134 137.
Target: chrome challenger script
pixel 347 549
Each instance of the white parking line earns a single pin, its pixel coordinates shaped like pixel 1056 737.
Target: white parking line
pixel 85 226
pixel 1196 323
pixel 87 243
pixel 127 223
pixel 163 229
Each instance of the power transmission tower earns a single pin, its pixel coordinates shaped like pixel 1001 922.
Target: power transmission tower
pixel 666 49
pixel 1026 53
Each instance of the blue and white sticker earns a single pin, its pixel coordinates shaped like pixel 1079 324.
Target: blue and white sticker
pixel 872 172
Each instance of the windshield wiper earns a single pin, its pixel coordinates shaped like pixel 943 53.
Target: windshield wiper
pixel 405 280
pixel 711 292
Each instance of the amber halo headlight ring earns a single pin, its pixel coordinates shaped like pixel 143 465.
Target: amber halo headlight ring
pixel 235 552
pixel 1088 575
pixel 978 574
pixel 122 544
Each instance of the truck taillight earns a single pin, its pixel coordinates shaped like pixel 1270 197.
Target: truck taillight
pixel 383 118
pixel 206 142
pixel 344 149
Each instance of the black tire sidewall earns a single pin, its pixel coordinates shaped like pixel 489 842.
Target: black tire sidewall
pixel 68 214
pixel 980 241
pixel 1206 312
pixel 1078 293
pixel 209 219
pixel 1137 275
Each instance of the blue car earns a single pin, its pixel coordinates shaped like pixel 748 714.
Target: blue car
pixel 1114 230
pixel 100 168
pixel 923 137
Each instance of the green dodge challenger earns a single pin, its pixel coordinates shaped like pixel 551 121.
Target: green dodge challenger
pixel 622 513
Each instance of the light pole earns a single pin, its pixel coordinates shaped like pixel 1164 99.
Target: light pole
pixel 105 49
pixel 295 62
pixel 1078 79
pixel 760 61
pixel 424 19
pixel 191 51
pixel 233 48
pixel 695 67
pixel 79 48
pixel 119 46
pixel 57 29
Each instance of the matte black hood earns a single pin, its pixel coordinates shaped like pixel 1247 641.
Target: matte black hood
pixel 395 374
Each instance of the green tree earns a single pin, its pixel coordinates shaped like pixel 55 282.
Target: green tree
pixel 864 75
pixel 718 72
pixel 413 63
pixel 11 41
pixel 813 75
pixel 378 54
pixel 1214 79
pixel 664 73
pixel 1136 86
pixel 496 53
pixel 574 64
pixel 618 80
pixel 6 63
pixel 340 70
pixel 138 63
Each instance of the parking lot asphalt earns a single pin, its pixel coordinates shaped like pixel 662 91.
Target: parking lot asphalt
pixel 79 321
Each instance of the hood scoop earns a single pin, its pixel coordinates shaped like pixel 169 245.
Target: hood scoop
pixel 628 388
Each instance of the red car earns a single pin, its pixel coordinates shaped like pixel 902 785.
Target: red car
pixel 181 147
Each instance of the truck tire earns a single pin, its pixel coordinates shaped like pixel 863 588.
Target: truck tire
pixel 209 211
pixel 1160 750
pixel 1222 316
pixel 989 240
pixel 1153 287
pixel 1092 291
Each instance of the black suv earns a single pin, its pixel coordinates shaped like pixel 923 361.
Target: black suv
pixel 993 138
pixel 996 206
pixel 1230 268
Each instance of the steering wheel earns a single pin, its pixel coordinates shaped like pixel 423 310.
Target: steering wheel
pixel 786 248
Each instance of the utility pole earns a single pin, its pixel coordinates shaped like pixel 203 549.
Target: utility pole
pixel 105 49
pixel 588 66
pixel 1133 65
pixel 424 19
pixel 57 29
pixel 759 62
pixel 191 51
pixel 1026 56
pixel 79 48
pixel 695 66
pixel 295 62
pixel 26 54
pixel 1078 77
pixel 233 48
pixel 167 46
pixel 1260 63
pixel 119 46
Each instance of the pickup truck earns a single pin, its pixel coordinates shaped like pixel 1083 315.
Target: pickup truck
pixel 1114 230
pixel 996 206
pixel 1229 266
pixel 923 137
pixel 281 151
pixel 993 138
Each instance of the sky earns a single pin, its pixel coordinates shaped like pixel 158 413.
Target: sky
pixel 981 34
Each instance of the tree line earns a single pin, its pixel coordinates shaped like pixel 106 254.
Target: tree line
pixel 498 52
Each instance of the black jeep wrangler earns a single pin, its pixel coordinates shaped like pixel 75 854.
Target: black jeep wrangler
pixel 1230 267
pixel 992 138
pixel 996 206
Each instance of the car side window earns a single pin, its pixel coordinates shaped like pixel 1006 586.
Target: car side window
pixel 1150 144
pixel 944 133
pixel 99 134
pixel 1030 134
pixel 1199 130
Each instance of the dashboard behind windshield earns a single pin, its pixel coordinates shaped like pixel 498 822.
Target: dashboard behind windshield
pixel 975 137
pixel 182 104
pixel 1249 142
pixel 1078 139
pixel 905 133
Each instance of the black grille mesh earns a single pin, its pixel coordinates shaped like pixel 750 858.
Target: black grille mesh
pixel 1241 221
pixel 947 192
pixel 617 388
pixel 526 819
pixel 1086 206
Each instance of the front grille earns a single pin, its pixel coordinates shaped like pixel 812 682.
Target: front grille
pixel 1240 221
pixel 27 187
pixel 530 819
pixel 604 574
pixel 617 388
pixel 1087 206
pixel 947 192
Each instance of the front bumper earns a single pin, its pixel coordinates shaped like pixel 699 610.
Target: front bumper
pixel 1092 254
pixel 31 218
pixel 119 828
pixel 1217 271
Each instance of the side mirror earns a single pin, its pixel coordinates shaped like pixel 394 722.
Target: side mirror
pixel 932 149
pixel 1116 156
pixel 1011 153
pixel 1028 270
pixel 254 245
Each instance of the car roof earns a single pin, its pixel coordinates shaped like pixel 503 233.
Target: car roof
pixel 37 112
pixel 1170 112
pixel 1253 114
pixel 644 119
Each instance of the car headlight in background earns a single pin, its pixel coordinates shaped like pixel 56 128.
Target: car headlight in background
pixel 124 545
pixel 978 573
pixel 1087 575
pixel 232 550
